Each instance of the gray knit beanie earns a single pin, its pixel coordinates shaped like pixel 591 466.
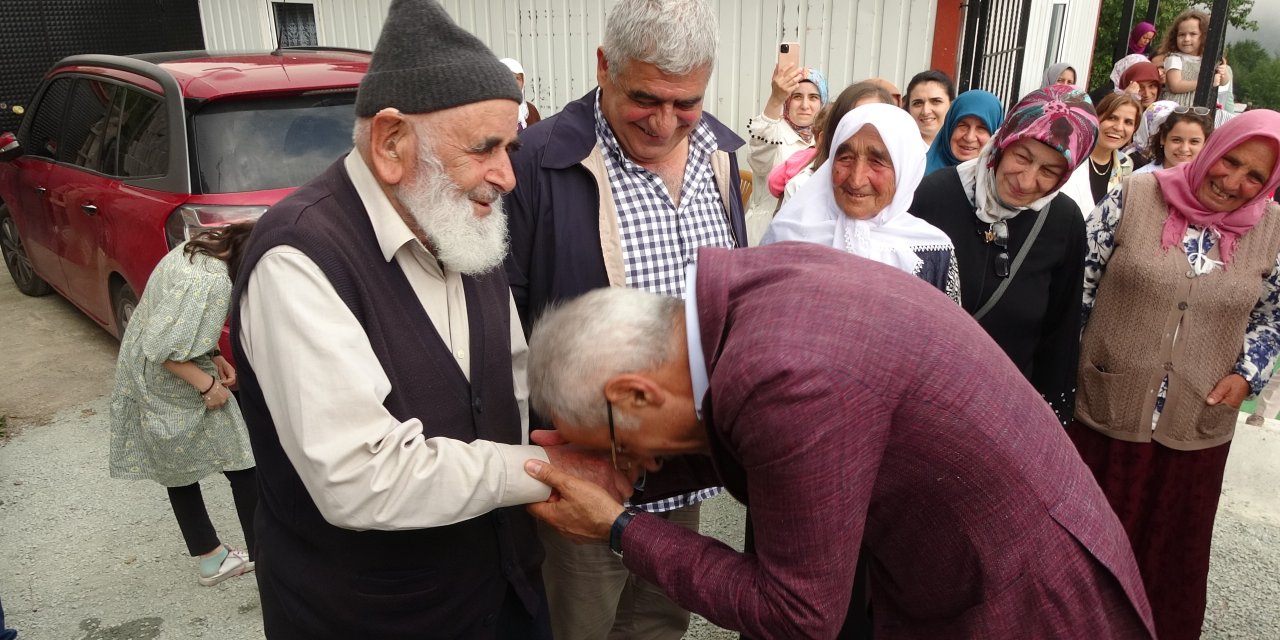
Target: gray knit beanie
pixel 425 62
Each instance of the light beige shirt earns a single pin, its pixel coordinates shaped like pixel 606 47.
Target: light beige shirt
pixel 325 390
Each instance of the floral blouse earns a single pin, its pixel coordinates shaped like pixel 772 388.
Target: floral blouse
pixel 1262 336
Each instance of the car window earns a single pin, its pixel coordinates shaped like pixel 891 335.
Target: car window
pixel 46 121
pixel 250 145
pixel 138 143
pixel 84 131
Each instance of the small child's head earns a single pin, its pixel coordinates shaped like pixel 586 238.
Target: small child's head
pixel 1187 33
pixel 820 120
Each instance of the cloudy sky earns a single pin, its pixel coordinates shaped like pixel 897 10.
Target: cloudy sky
pixel 1267 14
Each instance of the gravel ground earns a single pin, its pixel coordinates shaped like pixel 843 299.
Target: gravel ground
pixel 85 557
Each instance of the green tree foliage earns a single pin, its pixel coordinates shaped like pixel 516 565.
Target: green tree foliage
pixel 1257 74
pixel 1111 31
pixel 1247 55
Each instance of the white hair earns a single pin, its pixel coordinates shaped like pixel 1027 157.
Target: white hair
pixel 577 347
pixel 676 36
pixel 361 134
pixel 442 211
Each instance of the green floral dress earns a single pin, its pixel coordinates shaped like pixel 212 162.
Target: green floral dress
pixel 160 429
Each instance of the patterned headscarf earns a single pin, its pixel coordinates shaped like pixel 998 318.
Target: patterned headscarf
pixel 1060 116
pixel 975 102
pixel 1179 184
pixel 1149 127
pixel 815 78
pixel 1139 30
pixel 1122 65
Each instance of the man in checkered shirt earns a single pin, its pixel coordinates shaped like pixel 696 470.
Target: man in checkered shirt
pixel 621 188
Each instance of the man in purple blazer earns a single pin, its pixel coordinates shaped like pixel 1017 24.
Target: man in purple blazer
pixel 847 404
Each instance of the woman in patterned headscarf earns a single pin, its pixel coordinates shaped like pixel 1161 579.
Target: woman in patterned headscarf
pixel 1182 307
pixel 1019 242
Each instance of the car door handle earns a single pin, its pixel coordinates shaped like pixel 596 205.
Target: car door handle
pixel 89 210
pixel 41 190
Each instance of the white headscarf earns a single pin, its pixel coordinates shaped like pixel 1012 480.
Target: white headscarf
pixel 515 67
pixel 1122 65
pixel 892 235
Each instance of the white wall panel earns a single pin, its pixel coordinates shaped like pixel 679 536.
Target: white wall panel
pixel 1076 42
pixel 556 40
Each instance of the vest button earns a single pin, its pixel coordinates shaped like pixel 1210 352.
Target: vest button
pixel 1168 366
pixel 1182 306
pixel 475 404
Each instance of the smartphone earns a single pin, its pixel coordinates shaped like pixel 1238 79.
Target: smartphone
pixel 789 53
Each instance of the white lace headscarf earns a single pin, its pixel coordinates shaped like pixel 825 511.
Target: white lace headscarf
pixel 892 235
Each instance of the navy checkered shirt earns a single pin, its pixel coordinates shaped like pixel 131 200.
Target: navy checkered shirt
pixel 659 239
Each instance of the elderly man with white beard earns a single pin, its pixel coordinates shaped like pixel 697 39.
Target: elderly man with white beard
pixel 382 365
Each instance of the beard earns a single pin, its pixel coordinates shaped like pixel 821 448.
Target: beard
pixel 461 241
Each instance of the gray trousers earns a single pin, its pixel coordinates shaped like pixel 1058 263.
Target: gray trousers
pixel 594 597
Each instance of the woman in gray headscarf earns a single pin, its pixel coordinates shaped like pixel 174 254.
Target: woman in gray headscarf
pixel 1060 73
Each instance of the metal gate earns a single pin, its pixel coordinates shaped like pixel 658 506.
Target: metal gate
pixel 995 42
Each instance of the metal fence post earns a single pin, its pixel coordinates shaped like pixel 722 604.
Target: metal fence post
pixel 1206 94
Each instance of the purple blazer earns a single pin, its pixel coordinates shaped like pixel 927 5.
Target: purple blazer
pixel 854 405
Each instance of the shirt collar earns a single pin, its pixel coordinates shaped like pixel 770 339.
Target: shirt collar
pixel 697 361
pixel 388 226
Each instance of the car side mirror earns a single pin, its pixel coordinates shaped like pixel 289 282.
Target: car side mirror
pixel 9 147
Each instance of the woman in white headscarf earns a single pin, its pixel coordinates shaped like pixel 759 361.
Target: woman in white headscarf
pixel 857 200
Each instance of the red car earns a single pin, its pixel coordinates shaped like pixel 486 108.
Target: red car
pixel 121 158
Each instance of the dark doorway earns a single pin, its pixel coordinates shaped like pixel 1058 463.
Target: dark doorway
pixel 39 33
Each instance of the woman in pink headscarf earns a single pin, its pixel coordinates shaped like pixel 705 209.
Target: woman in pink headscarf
pixel 1141 36
pixel 1176 336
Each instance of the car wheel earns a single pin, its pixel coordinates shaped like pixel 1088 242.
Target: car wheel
pixel 15 258
pixel 123 303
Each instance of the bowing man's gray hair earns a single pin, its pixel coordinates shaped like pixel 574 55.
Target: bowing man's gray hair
pixel 577 347
pixel 676 36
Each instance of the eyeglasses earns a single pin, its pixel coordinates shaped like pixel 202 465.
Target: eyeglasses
pixel 998 233
pixel 613 441
pixel 1203 112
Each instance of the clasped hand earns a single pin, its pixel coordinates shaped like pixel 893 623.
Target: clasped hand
pixel 586 491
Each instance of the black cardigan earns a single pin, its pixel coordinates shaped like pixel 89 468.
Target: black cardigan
pixel 1037 321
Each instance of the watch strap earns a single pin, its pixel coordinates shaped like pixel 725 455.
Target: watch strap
pixel 615 531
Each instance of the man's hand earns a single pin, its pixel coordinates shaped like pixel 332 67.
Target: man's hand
pixel 1231 389
pixel 593 466
pixel 583 511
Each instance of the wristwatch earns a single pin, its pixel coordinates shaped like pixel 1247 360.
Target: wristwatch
pixel 615 531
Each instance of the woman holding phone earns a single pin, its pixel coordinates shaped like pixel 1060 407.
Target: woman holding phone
pixel 784 127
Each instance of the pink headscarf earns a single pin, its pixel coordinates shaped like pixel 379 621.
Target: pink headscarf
pixel 1180 183
pixel 1139 30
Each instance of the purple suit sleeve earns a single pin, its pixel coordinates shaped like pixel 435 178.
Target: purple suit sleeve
pixel 810 468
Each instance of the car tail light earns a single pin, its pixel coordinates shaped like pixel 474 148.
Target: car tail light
pixel 188 220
